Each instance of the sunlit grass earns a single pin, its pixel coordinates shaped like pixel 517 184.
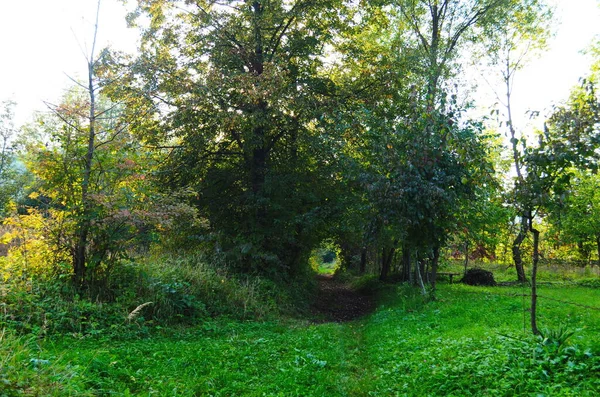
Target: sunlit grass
pixel 470 341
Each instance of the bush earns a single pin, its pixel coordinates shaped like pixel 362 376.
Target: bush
pixel 590 283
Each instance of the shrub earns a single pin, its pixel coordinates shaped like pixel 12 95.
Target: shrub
pixel 590 283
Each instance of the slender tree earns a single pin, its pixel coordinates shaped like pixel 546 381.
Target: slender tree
pixel 509 48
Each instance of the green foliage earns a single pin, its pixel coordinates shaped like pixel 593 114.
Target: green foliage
pixel 325 259
pixel 245 94
pixel 122 210
pixel 286 136
pixel 468 342
pixel 590 283
pixel 368 284
pixel 23 370
pixel 13 176
pixel 158 291
pixel 184 287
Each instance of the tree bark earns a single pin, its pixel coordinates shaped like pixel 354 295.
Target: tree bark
pixel 79 255
pixel 420 278
pixel 386 262
pixel 434 67
pixel 363 261
pixel 260 151
pixel 536 258
pixel 434 266
pixel 466 256
pixel 406 263
pixel 598 249
pixel 516 251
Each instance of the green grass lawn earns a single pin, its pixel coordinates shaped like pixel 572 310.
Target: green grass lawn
pixel 469 342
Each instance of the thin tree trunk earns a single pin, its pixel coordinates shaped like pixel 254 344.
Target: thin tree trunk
pixel 466 256
pixel 434 266
pixel 536 258
pixel 434 67
pixel 363 260
pixel 516 251
pixel 516 247
pixel 79 257
pixel 420 278
pixel 3 155
pixel 406 273
pixel 386 261
pixel 598 249
pixel 382 272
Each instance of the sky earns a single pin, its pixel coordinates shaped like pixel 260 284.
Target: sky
pixel 548 79
pixel 43 41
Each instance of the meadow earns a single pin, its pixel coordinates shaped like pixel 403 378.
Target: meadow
pixel 470 341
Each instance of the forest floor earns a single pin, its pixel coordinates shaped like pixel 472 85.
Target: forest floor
pixel 338 302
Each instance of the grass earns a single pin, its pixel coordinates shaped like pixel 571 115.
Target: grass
pixel 470 341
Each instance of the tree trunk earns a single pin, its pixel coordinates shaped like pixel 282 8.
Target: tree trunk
pixel 516 251
pixel 363 261
pixel 434 67
pixel 386 262
pixel 406 263
pixel 79 254
pixel 420 277
pixel 260 151
pixel 516 247
pixel 536 258
pixel 434 266
pixel 466 256
pixel 598 249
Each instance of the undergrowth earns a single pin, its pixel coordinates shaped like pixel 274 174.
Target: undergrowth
pixel 176 326
pixel 469 341
pixel 155 291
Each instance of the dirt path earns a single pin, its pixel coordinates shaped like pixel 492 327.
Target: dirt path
pixel 338 302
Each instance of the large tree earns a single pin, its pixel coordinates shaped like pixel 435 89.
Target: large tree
pixel 441 31
pixel 236 93
pixel 417 150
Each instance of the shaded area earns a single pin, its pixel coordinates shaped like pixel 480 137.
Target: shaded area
pixel 337 301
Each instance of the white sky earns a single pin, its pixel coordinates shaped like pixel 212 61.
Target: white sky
pixel 549 79
pixel 40 42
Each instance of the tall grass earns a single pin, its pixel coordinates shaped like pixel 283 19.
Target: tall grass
pixel 25 369
pixel 154 290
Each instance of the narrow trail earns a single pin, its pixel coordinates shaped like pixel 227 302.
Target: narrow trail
pixel 337 302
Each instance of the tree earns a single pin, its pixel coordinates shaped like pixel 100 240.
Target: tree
pixel 90 192
pixel 440 30
pixel 412 147
pixel 577 215
pixel 510 46
pixel 431 35
pixel 9 174
pixel 480 221
pixel 236 94
pixel 576 124
pixel 567 142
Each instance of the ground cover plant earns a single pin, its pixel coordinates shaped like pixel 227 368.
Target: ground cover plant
pixel 471 341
